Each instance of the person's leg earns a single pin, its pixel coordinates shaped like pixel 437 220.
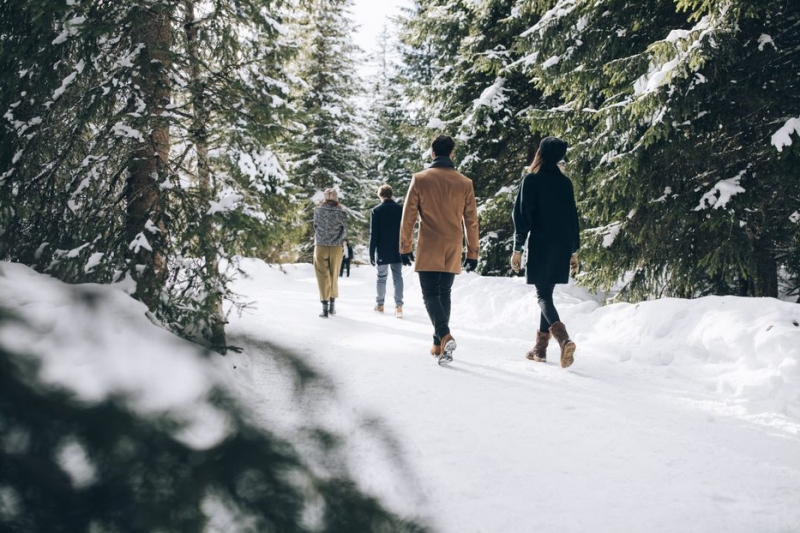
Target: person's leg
pixel 335 264
pixel 430 283
pixel 348 268
pixel 383 273
pixel 549 316
pixel 341 270
pixel 397 279
pixel 445 288
pixel 322 269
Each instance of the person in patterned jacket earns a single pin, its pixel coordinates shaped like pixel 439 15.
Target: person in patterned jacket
pixel 330 229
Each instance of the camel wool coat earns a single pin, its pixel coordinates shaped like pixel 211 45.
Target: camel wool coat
pixel 443 200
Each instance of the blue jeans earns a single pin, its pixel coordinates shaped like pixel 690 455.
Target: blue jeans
pixel 397 277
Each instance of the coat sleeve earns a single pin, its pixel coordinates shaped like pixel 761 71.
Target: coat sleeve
pixel 374 234
pixel 576 243
pixel 471 223
pixel 342 225
pixel 409 220
pixel 522 225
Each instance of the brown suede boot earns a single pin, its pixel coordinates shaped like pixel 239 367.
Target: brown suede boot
pixel 559 331
pixel 436 350
pixel 539 351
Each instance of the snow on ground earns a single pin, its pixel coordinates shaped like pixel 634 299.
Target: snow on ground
pixel 677 415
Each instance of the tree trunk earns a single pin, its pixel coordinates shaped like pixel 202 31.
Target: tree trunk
pixel 149 164
pixel 199 137
pixel 765 282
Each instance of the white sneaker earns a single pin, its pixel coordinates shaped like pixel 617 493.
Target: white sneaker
pixel 398 311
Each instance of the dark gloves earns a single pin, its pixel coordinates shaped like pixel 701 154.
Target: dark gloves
pixel 470 265
pixel 407 258
pixel 372 260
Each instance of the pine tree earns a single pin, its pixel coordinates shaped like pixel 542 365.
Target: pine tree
pixel 393 153
pixel 327 151
pixel 459 56
pixel 142 141
pixel 671 108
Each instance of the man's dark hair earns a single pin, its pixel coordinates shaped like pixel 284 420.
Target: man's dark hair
pixel 443 145
pixel 385 191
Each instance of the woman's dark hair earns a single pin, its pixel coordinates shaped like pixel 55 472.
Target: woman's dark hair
pixel 443 145
pixel 551 151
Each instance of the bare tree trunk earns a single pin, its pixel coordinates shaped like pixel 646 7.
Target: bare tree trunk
pixel 199 136
pixel 149 165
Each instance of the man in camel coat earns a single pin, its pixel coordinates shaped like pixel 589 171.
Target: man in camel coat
pixel 444 202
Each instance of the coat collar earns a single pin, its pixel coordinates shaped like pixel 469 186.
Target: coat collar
pixel 442 161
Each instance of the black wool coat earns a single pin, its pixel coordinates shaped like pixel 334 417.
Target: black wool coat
pixel 545 215
pixel 384 232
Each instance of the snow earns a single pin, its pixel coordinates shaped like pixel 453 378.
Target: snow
pixel 96 342
pixel 678 415
pixel 764 40
pixel 661 73
pixel 226 203
pixel 721 193
pixel 139 242
pixel 74 461
pixel 551 62
pixel 93 261
pixel 436 123
pixel 783 137
pixel 121 130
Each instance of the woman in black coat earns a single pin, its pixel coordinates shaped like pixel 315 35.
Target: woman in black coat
pixel 546 220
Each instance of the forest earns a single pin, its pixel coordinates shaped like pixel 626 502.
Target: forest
pixel 158 142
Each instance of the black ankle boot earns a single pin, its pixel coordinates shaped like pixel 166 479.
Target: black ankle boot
pixel 324 310
pixel 332 306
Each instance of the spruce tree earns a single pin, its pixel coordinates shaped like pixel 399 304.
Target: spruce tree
pixel 670 108
pixel 458 58
pixel 141 143
pixel 393 153
pixel 327 149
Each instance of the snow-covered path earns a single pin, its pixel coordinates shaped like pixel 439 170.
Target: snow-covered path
pixel 633 437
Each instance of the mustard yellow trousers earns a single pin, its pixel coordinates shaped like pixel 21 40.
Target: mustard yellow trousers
pixel 327 262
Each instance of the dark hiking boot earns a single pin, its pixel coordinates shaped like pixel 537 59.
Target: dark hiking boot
pixel 332 306
pixel 325 310
pixel 539 351
pixel 448 347
pixel 559 331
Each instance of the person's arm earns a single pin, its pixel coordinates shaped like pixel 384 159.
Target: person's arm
pixel 409 220
pixel 374 228
pixel 471 223
pixel 576 245
pixel 522 225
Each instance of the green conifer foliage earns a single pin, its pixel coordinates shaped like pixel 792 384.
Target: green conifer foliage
pixel 326 150
pixel 393 151
pixel 458 57
pixel 671 108
pixel 137 143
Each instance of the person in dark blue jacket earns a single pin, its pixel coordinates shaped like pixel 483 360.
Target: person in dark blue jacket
pixel 546 221
pixel 384 247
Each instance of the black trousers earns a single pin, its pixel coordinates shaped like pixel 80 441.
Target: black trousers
pixel 345 263
pixel 436 287
pixel 549 314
